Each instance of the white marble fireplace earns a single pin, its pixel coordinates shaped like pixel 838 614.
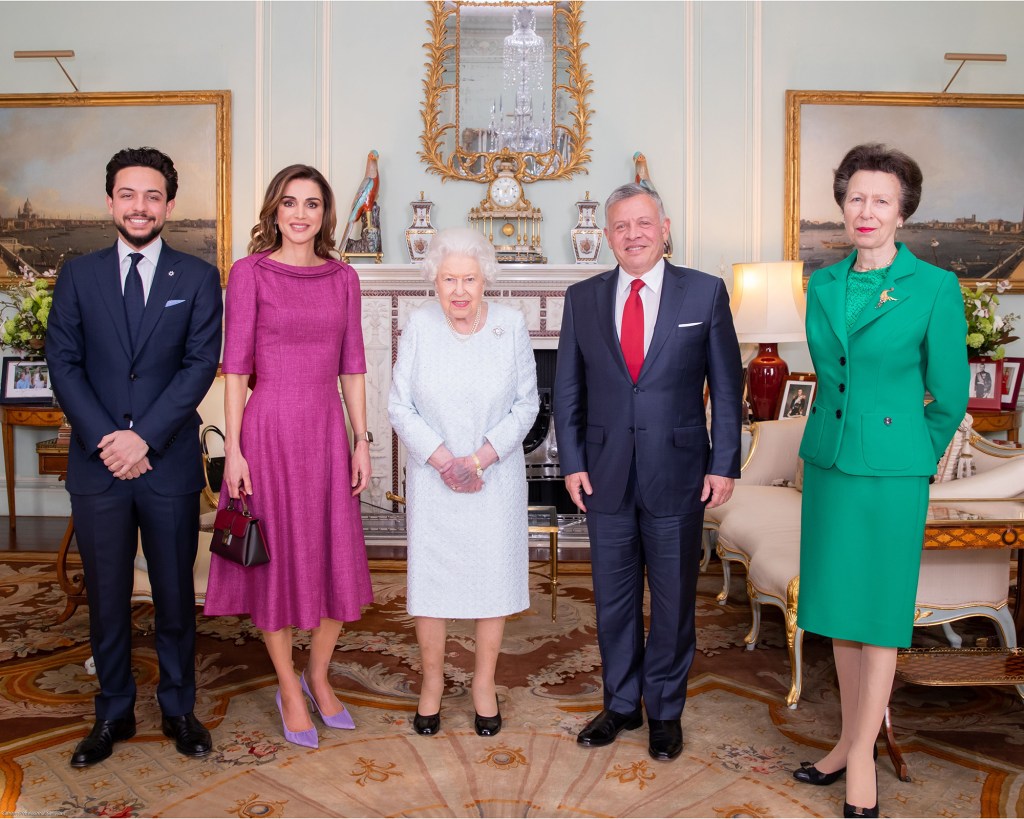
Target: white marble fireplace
pixel 391 291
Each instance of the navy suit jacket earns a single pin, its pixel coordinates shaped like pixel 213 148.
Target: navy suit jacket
pixel 103 386
pixel 602 418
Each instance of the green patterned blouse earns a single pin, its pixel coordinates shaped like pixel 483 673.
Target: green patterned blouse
pixel 861 290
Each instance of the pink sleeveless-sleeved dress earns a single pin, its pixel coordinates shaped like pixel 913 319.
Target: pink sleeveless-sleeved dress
pixel 297 329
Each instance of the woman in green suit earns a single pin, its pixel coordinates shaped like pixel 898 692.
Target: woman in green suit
pixel 882 327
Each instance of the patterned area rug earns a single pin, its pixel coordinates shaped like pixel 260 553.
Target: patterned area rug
pixel 964 747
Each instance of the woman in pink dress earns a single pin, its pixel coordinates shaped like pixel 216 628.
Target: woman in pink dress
pixel 292 319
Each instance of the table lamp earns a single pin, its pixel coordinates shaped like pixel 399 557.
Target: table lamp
pixel 768 307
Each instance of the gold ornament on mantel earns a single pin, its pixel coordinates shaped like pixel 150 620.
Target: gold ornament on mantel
pixel 507 219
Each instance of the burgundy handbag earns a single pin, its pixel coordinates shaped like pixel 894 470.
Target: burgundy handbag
pixel 238 536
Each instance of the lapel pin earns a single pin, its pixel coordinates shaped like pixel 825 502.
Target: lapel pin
pixel 499 332
pixel 886 297
pixel 170 272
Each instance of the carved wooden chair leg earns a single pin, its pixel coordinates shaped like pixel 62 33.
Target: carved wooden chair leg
pixel 755 617
pixel 794 642
pixel 893 748
pixel 72 585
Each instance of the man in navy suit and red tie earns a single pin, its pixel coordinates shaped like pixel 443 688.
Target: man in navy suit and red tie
pixel 636 346
pixel 133 342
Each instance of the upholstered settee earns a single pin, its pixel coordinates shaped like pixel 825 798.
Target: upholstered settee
pixel 211 410
pixel 759 527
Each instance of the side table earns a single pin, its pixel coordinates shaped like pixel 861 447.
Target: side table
pixel 22 415
pixel 1008 421
pixel 53 460
pixel 965 524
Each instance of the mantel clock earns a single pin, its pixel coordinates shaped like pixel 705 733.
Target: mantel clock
pixel 508 220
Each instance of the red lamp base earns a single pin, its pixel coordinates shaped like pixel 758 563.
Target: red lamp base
pixel 766 377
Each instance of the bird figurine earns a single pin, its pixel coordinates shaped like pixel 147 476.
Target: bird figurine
pixel 642 177
pixel 366 196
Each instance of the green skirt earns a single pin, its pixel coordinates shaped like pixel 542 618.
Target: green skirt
pixel 860 555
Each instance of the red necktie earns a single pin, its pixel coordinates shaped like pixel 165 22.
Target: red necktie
pixel 632 336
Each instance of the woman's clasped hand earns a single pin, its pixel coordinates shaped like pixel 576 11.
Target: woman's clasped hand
pixel 460 475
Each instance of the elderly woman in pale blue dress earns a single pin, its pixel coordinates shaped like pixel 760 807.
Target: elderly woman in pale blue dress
pixel 463 397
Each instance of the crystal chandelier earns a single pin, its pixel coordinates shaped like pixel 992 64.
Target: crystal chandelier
pixel 523 64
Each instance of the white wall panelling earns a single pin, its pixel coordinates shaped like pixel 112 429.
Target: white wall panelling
pixel 699 87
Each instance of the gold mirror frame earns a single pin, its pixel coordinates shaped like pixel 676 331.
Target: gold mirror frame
pixel 459 164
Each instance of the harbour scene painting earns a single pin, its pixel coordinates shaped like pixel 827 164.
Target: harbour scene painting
pixel 971 216
pixel 52 178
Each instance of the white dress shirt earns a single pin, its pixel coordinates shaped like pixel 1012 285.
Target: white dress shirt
pixel 650 296
pixel 147 264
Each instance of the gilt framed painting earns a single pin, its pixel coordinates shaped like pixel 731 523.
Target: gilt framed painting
pixel 52 173
pixel 969 147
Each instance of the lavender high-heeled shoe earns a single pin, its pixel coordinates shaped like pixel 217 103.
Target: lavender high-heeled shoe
pixel 307 738
pixel 343 719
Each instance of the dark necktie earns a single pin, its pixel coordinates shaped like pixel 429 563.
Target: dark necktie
pixel 134 298
pixel 632 336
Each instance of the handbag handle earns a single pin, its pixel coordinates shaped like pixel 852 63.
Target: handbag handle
pixel 241 500
pixel 202 438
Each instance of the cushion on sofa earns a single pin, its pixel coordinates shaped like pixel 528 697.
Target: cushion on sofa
pixel 1005 480
pixel 771 573
pixel 759 516
pixel 962 578
pixel 955 461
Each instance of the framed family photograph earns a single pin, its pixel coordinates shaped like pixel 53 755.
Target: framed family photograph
pixel 1011 380
pixel 970 218
pixel 56 148
pixel 25 381
pixel 986 384
pixel 797 396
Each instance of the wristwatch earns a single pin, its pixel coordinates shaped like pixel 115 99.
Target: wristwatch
pixel 479 469
pixel 363 436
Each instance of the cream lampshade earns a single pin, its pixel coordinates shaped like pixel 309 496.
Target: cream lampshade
pixel 768 307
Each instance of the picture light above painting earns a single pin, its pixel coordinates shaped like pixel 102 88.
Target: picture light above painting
pixel 969 147
pixel 56 149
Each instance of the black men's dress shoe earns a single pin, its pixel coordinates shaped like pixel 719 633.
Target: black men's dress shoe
pixel 427 725
pixel 603 728
pixel 100 743
pixel 189 735
pixel 666 738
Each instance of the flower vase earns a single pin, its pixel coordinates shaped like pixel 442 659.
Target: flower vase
pixel 986 384
pixel 586 236
pixel 419 234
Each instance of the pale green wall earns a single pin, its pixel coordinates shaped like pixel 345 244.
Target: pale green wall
pixel 698 86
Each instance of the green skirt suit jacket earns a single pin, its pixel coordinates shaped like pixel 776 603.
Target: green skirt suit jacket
pixel 871 444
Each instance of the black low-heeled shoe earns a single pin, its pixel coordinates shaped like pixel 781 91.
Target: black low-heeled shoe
pixel 852 811
pixel 488 726
pixel 810 775
pixel 869 813
pixel 426 726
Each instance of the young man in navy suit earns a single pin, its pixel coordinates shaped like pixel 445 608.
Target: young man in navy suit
pixel 133 342
pixel 636 346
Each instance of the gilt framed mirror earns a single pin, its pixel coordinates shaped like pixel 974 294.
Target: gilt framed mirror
pixel 506 78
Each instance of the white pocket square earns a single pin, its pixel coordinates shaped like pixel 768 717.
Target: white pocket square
pixel 173 302
pixel 692 324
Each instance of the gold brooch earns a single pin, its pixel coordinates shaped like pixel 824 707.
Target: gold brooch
pixel 886 297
